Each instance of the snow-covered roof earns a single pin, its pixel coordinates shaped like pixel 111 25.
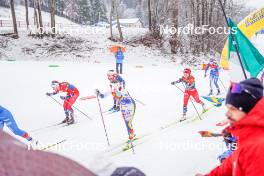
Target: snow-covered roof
pixel 129 20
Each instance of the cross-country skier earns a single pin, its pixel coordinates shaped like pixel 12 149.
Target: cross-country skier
pixel 189 83
pixel 214 75
pixel 69 99
pixel 6 118
pixel 127 106
pixel 244 102
pixel 116 84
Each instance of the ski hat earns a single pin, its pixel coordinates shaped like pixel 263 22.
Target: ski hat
pixel 187 70
pixel 245 95
pixel 55 84
pixel 110 72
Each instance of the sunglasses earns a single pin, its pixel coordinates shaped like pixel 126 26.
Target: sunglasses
pixel 237 88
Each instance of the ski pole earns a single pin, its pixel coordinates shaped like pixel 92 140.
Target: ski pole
pixel 136 100
pixel 192 102
pixel 222 84
pixel 139 102
pixel 72 106
pixel 103 121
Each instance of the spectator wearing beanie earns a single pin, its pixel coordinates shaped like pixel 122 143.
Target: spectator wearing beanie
pixel 245 104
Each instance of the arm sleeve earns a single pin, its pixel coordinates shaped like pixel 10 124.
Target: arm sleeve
pixel 104 95
pixel 252 160
pixel 56 92
pixel 122 81
pixel 224 169
pixel 179 80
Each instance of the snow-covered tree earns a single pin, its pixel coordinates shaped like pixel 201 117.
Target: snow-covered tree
pixel 14 18
pixel 85 10
pixel 72 9
pixel 60 7
pixel 98 11
pixel 5 3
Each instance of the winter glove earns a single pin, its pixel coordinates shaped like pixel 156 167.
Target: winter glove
pixel 173 83
pixel 205 75
pixel 49 94
pixel 63 97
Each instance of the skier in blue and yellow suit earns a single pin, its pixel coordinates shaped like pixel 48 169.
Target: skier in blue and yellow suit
pixel 214 75
pixel 126 103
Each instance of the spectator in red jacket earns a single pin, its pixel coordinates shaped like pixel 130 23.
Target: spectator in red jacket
pixel 245 104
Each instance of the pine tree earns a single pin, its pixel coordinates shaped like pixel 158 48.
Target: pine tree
pixel 139 9
pixel 60 7
pixel 85 11
pixel 98 11
pixel 5 3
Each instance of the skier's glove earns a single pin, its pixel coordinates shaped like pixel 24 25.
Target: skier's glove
pixel 205 75
pixel 63 97
pixel 173 83
pixel 49 94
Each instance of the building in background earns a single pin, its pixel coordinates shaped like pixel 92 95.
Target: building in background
pixel 132 22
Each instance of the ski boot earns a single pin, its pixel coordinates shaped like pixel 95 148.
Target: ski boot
pixel 128 146
pixel 211 92
pixel 116 109
pixel 33 144
pixel 111 109
pixel 183 118
pixel 70 121
pixel 204 108
pixel 218 92
pixel 184 114
pixel 65 120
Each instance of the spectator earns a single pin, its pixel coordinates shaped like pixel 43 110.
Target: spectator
pixel 245 112
pixel 119 55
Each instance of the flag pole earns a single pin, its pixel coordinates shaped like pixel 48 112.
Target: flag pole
pixel 233 40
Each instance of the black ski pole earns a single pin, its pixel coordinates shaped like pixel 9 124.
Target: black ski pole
pixel 233 40
pixel 136 100
pixel 103 121
pixel 72 106
pixel 191 101
pixel 223 84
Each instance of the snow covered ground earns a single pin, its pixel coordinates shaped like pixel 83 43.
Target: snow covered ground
pixel 179 150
